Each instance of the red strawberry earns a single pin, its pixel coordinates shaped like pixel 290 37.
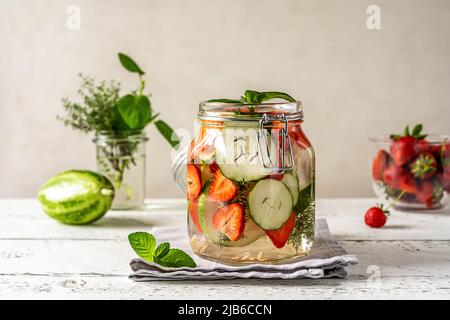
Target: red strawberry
pixel 379 164
pixel 424 166
pixel 444 178
pixel 445 158
pixel 194 182
pixel 392 174
pixel 277 176
pixel 436 151
pixel 398 178
pixel 376 217
pixel 407 183
pixel 297 136
pixel 221 188
pixel 193 213
pixel 423 146
pixel 425 193
pixel 230 221
pixel 280 236
pixel 405 148
pixel 213 167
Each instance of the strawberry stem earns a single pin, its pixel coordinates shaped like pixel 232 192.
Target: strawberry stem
pixel 395 201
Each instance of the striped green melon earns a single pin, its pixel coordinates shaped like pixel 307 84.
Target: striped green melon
pixel 76 197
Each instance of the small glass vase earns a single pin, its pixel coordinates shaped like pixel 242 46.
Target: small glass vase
pixel 121 158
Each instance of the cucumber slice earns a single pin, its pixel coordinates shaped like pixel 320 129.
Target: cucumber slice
pixel 270 203
pixel 206 210
pixel 305 165
pixel 290 179
pixel 237 154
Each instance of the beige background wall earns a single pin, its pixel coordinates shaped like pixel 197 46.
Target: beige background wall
pixel 353 82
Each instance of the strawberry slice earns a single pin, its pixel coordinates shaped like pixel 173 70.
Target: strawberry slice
pixel 230 221
pixel 379 164
pixel 194 182
pixel 281 236
pixel 193 213
pixel 297 136
pixel 213 167
pixel 221 188
pixel 277 176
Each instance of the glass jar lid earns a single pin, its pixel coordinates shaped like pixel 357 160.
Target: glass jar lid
pixel 248 112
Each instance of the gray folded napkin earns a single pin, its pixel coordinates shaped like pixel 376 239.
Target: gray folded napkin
pixel 326 259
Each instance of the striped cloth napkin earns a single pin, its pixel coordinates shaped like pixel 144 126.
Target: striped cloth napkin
pixel 326 259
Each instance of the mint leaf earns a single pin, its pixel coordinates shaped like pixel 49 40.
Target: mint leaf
pixel 224 101
pixel 256 97
pixel 251 96
pixel 269 95
pixel 162 250
pixel 168 133
pixel 134 110
pixel 143 244
pixel 129 64
pixel 176 258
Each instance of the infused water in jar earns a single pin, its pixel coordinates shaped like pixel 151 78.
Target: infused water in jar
pixel 250 183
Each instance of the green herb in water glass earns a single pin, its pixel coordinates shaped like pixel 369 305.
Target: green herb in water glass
pixel 102 109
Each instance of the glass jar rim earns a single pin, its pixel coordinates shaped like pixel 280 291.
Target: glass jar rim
pixel 248 112
pixel 120 135
pixel 433 139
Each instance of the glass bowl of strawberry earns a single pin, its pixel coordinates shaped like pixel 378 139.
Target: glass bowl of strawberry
pixel 411 169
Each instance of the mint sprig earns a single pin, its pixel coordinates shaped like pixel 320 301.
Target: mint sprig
pixel 135 109
pixel 129 64
pixel 256 97
pixel 144 245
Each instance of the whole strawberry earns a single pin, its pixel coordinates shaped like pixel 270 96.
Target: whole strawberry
pixel 442 154
pixel 398 178
pixel 444 179
pixel 376 217
pixel 429 192
pixel 425 193
pixel 407 146
pixel 379 164
pixel 424 166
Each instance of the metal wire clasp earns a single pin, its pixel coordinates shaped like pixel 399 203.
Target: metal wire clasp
pixel 264 146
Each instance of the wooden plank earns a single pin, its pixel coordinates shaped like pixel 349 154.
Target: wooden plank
pixel 111 257
pixel 24 219
pixel 104 287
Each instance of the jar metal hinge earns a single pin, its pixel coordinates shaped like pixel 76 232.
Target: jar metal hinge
pixel 265 153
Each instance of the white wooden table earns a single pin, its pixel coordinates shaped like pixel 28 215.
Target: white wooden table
pixel 40 258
